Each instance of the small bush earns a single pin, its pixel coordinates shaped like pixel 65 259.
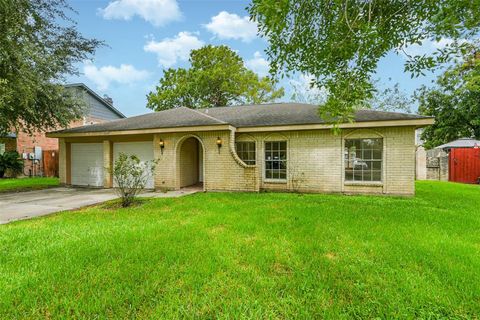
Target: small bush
pixel 131 176
pixel 10 161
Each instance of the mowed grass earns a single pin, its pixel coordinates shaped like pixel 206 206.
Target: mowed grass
pixel 240 255
pixel 26 184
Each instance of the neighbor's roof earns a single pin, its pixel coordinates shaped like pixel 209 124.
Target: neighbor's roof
pixel 460 143
pixel 9 135
pixel 106 103
pixel 275 114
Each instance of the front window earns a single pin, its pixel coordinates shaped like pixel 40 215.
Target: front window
pixel 276 160
pixel 246 151
pixel 363 159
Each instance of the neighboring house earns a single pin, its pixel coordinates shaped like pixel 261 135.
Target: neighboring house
pixel 283 146
pixel 460 143
pixel 32 146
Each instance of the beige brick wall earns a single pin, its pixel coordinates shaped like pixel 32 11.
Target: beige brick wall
pixel 315 160
pixel 314 164
pixel 221 171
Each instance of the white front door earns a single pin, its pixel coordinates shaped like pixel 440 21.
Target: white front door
pixel 143 150
pixel 87 164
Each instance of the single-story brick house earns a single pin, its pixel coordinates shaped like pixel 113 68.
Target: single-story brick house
pixel 31 146
pixel 280 146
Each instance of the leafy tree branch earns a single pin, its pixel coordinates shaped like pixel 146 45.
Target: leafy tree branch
pixel 340 42
pixel 39 47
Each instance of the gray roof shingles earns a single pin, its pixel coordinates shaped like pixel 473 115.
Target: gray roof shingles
pixel 238 116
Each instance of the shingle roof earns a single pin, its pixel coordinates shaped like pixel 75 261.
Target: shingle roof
pixel 237 116
pixel 290 114
pixel 460 143
pixel 178 117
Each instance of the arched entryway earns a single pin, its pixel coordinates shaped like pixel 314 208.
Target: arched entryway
pixel 190 163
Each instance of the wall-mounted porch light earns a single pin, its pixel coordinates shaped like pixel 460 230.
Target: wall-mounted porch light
pixel 219 143
pixel 161 143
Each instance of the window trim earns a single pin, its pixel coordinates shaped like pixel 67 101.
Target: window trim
pixel 372 183
pixel 273 180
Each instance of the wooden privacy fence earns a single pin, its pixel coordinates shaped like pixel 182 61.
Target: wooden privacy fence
pixel 464 165
pixel 50 163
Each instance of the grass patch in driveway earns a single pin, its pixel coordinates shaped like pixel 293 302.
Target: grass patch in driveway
pixel 246 255
pixel 27 184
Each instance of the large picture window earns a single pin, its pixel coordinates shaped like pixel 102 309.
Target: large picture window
pixel 276 160
pixel 246 151
pixel 363 159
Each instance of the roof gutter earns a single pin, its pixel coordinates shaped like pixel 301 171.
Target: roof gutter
pixel 418 123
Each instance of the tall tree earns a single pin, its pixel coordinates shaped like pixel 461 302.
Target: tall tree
pixel 39 47
pixel 454 102
pixel 217 77
pixel 340 42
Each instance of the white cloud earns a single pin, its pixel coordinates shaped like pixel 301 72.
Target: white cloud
pixel 106 75
pixel 171 50
pixel 428 47
pixel 157 12
pixel 231 26
pixel 258 64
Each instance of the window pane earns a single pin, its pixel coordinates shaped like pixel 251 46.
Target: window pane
pixel 377 154
pixel 357 144
pixel 349 175
pixel 377 144
pixel 363 159
pixel 246 151
pixel 367 154
pixel 268 174
pixel 377 175
pixel 357 175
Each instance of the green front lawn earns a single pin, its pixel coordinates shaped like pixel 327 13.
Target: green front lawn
pixel 26 184
pixel 240 255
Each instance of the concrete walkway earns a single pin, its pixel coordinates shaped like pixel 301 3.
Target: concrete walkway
pixel 26 205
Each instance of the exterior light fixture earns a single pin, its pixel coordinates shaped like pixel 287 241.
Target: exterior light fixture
pixel 219 143
pixel 161 143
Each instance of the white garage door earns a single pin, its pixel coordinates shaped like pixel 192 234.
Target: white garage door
pixel 143 150
pixel 87 164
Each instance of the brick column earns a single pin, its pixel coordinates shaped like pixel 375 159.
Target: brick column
pixel 62 161
pixel 108 164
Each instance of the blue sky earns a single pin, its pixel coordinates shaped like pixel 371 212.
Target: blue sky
pixel 146 36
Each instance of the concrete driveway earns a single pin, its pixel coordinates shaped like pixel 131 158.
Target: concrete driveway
pixel 25 205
